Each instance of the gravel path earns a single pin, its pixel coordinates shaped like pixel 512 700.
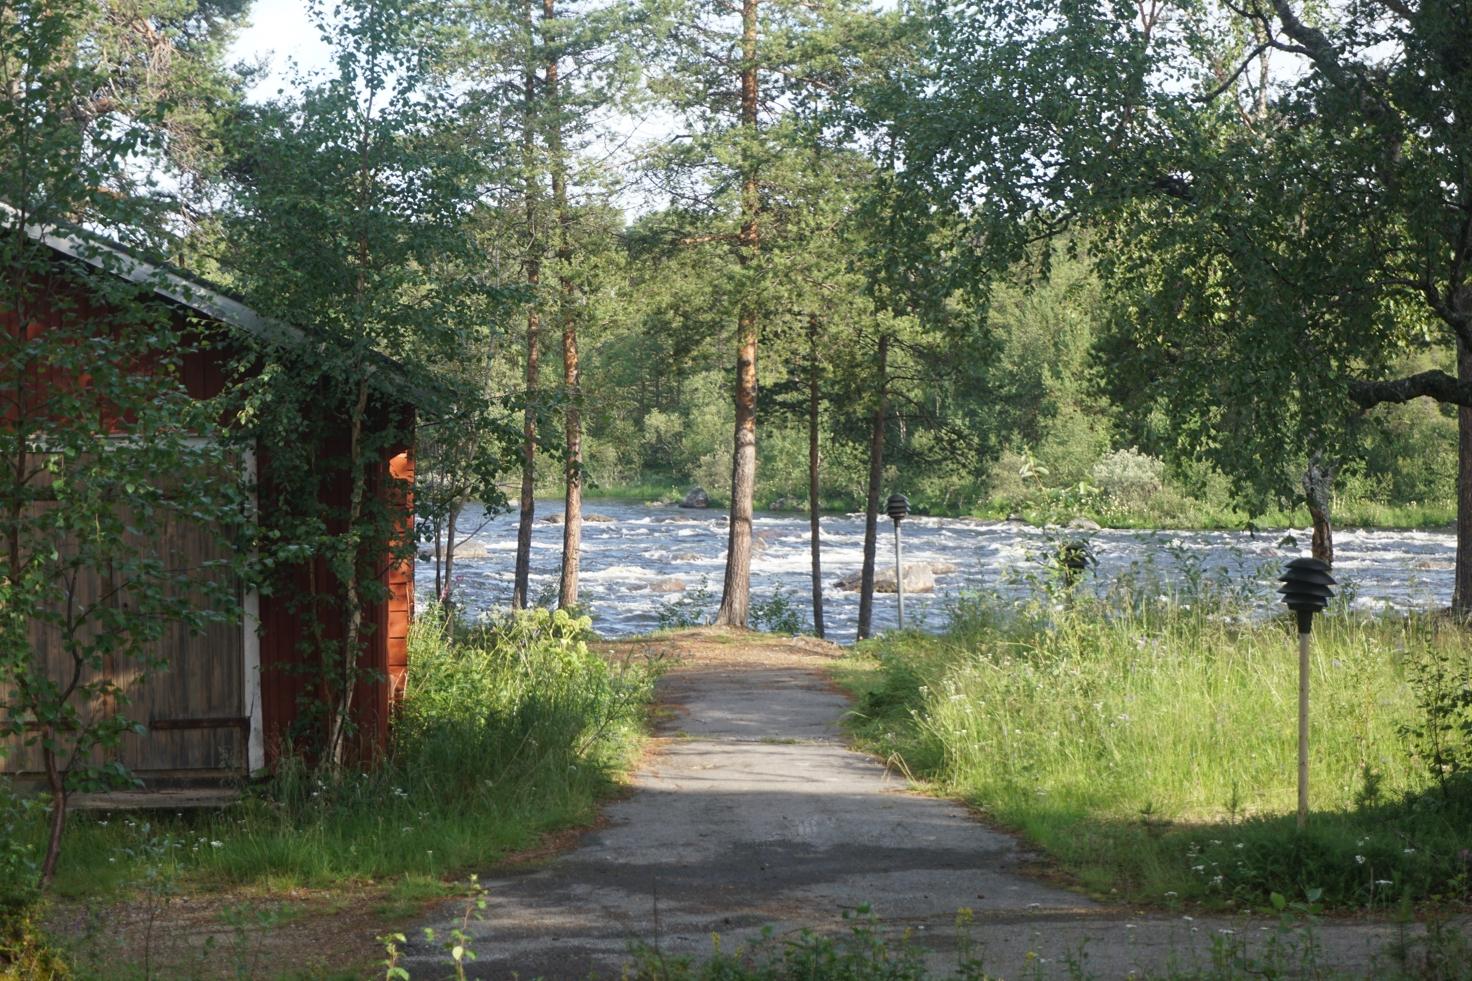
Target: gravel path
pixel 751 813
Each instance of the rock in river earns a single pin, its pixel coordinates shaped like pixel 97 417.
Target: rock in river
pixel 697 498
pixel 919 578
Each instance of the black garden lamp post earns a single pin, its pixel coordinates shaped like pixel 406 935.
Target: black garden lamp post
pixel 1305 591
pixel 898 508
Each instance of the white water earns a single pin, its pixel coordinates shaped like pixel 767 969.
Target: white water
pixel 635 564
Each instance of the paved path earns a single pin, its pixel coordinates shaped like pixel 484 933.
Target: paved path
pixel 752 814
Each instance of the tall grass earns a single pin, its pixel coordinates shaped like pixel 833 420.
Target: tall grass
pixel 1152 749
pixel 507 731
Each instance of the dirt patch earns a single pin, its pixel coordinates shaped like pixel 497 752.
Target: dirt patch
pixel 722 647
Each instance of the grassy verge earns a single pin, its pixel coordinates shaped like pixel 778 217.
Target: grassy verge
pixel 1152 753
pixel 506 733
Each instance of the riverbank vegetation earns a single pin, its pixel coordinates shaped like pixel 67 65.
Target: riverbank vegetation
pixel 508 732
pixel 1149 747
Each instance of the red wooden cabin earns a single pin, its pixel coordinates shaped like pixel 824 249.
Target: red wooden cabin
pixel 229 698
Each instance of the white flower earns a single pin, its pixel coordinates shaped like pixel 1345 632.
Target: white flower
pixel 1359 859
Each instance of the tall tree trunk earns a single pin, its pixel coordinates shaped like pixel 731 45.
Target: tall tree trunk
pixel 1462 583
pixel 736 591
pixel 876 477
pixel 352 587
pixel 813 465
pixel 439 559
pixel 572 525
pixel 447 597
pixel 533 266
pixel 1318 491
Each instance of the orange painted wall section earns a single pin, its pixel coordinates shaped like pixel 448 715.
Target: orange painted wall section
pixel 401 580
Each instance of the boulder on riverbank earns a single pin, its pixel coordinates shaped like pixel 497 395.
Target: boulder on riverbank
pixel 1084 524
pixel 919 578
pixel 696 498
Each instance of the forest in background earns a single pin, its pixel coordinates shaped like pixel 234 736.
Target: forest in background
pixel 954 252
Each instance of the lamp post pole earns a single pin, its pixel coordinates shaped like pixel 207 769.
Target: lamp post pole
pixel 1305 591
pixel 897 507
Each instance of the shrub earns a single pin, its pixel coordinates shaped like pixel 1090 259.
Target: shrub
pixel 778 615
pixel 1129 476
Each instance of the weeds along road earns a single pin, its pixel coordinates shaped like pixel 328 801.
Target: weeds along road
pixel 751 813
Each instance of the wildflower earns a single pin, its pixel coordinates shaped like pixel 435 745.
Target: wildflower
pixel 1409 851
pixel 217 844
pixel 1359 860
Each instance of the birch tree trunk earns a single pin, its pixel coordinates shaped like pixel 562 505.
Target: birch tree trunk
pixel 1318 492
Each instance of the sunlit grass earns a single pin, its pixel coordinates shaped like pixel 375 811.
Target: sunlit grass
pixel 1154 753
pixel 506 733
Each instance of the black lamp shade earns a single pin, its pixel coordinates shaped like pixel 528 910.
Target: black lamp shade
pixel 1306 589
pixel 897 507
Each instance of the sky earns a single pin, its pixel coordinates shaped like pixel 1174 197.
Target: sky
pixel 279 31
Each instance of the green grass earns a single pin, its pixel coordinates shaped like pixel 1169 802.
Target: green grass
pixel 1152 753
pixel 506 733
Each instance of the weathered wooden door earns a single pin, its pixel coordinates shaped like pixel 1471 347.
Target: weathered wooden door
pixel 188 695
pixel 191 704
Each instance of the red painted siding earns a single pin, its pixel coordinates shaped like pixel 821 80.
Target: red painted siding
pixel 286 677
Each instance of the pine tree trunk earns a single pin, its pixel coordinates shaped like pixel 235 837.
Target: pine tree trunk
pixel 1462 583
pixel 813 465
pixel 572 525
pixel 876 477
pixel 736 590
pixel 533 266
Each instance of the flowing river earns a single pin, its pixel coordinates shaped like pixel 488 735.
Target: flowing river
pixel 640 561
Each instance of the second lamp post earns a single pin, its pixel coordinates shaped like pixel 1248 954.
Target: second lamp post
pixel 898 507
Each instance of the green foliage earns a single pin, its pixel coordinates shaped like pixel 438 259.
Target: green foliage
pixel 691 609
pixel 1128 476
pixel 1150 746
pixel 507 730
pixel 104 451
pixel 1441 736
pixel 781 613
pixel 349 220
pixel 20 862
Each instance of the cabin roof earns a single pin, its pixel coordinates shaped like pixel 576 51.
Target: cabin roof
pixel 212 301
